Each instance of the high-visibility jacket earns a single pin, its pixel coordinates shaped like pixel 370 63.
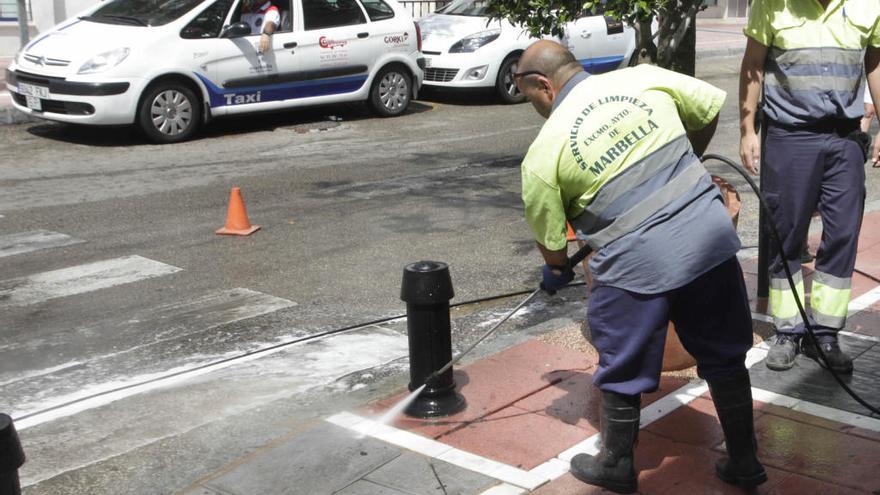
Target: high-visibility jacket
pixel 816 57
pixel 615 160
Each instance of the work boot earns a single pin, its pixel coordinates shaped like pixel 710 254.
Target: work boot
pixel 612 468
pixel 733 402
pixel 782 353
pixel 837 360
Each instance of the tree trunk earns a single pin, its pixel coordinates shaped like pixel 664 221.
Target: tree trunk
pixel 676 47
pixel 646 50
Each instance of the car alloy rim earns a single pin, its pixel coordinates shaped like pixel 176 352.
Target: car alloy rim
pixel 510 83
pixel 171 112
pixel 393 91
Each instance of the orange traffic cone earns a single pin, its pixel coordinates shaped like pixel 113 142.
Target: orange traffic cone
pixel 570 235
pixel 237 222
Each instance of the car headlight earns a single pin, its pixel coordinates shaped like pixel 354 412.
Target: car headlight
pixel 474 41
pixel 104 61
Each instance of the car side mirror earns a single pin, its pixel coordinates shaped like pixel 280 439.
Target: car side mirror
pixel 236 30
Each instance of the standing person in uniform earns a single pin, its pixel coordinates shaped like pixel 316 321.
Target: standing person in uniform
pixel 809 56
pixel 618 158
pixel 263 18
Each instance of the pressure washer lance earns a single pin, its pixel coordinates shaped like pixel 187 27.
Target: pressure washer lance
pixel 778 241
pixel 569 265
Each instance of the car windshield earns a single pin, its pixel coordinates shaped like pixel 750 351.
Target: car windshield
pixel 142 12
pixel 471 8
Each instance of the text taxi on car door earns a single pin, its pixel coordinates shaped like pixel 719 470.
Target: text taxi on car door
pixel 170 65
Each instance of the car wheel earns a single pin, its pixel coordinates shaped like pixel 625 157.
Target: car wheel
pixel 505 85
pixel 391 91
pixel 169 113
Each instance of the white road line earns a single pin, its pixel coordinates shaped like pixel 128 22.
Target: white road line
pixel 859 336
pixel 80 279
pixel 321 363
pixel 818 410
pixel 25 242
pixel 157 345
pixel 439 450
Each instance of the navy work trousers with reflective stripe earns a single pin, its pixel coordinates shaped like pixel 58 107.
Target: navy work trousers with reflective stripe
pixel 809 170
pixel 711 316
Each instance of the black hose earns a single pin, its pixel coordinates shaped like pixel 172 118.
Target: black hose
pixel 778 241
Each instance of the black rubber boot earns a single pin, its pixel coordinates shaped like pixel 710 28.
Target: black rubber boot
pixel 733 401
pixel 613 467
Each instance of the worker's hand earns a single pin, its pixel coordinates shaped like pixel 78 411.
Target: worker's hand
pixel 875 152
pixel 264 43
pixel 556 277
pixel 750 152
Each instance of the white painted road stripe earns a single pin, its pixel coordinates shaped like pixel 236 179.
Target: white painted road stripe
pixel 25 242
pixel 321 362
pixel 439 450
pixel 80 279
pixel 167 329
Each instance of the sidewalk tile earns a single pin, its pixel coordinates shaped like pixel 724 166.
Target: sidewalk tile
pixel 491 384
pixel 574 401
pixel 516 437
pixel 819 453
pixel 324 459
pixel 801 417
pixel 569 485
pixel 796 484
pixel 695 424
pixel 866 323
pixel 544 358
pixel 362 487
pixel 667 467
pixel 416 474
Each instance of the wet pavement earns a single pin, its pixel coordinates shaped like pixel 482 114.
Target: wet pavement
pixel 532 407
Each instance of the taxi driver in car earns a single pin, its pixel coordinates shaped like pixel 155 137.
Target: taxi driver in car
pixel 263 18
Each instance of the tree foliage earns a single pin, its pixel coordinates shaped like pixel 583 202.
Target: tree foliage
pixel 674 45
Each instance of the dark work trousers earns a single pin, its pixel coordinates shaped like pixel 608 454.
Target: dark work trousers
pixel 711 316
pixel 807 170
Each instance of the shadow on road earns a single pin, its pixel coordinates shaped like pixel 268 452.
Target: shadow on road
pixel 302 121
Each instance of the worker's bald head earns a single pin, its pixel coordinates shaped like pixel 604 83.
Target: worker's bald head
pixel 545 67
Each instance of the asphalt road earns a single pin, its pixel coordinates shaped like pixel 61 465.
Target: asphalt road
pixel 345 201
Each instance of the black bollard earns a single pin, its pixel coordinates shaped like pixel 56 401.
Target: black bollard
pixel 427 289
pixel 11 457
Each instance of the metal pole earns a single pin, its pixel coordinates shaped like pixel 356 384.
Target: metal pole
pixel 23 32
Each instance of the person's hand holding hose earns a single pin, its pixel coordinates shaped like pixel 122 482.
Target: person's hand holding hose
pixel 556 277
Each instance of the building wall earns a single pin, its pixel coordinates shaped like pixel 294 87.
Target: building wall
pixel 46 14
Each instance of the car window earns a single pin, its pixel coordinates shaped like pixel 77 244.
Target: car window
pixel 141 12
pixel 470 8
pixel 209 22
pixel 319 14
pixel 378 10
pixel 283 8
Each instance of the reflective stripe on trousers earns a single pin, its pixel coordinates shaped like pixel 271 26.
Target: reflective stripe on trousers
pixel 808 84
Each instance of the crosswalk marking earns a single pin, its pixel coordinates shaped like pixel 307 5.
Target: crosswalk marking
pixel 159 342
pixel 25 242
pixel 80 279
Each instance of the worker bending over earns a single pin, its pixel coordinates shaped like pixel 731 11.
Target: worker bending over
pixel 618 158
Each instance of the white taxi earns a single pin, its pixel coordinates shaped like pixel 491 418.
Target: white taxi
pixel 465 49
pixel 169 66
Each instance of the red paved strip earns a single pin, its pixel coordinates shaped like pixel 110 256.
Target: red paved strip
pixel 492 384
pixel 516 437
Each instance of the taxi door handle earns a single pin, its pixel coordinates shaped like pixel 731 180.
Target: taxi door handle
pixel 292 44
pixel 586 34
pixel 363 35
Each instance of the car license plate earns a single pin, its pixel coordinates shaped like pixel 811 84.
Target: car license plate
pixel 35 91
pixel 34 103
pixel 427 62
